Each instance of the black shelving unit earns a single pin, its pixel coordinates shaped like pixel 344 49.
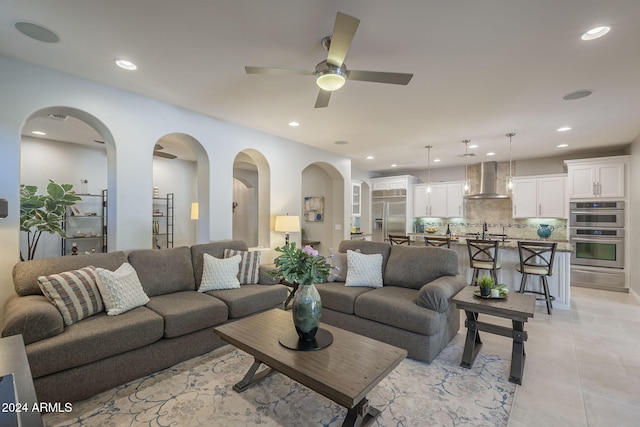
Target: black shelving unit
pixel 85 225
pixel 163 221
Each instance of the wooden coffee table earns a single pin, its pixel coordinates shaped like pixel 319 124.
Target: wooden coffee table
pixel 517 307
pixel 344 372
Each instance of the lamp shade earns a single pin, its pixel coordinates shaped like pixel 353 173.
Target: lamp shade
pixel 195 207
pixel 287 223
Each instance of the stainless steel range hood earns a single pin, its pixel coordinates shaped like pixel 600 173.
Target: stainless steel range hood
pixel 488 182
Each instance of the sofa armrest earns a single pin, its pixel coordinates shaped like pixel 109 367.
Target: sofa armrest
pixel 265 275
pixel 436 294
pixel 33 316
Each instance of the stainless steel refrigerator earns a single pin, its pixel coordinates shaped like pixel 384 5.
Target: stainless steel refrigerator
pixel 389 211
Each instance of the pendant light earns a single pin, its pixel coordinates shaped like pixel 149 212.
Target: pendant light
pixel 509 180
pixel 467 185
pixel 428 147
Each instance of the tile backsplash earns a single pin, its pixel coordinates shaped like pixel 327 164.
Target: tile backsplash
pixel 497 214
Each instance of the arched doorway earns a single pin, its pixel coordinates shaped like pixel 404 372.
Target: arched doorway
pixel 251 198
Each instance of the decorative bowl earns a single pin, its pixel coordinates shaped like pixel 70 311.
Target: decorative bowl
pixel 430 230
pixel 80 235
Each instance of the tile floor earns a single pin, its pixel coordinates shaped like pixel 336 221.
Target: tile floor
pixel 583 364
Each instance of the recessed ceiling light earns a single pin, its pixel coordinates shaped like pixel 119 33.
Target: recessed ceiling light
pixel 564 129
pixel 562 145
pixel 38 132
pixel 125 64
pixel 370 157
pixel 294 124
pixel 37 32
pixel 394 165
pixel 596 32
pixel 491 153
pixel 473 146
pixel 577 94
pixel 437 160
pixel 341 142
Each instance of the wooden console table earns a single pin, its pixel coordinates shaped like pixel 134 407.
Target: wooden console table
pixel 517 307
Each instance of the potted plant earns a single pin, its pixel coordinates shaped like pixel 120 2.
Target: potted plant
pixel 303 267
pixel 43 212
pixel 486 283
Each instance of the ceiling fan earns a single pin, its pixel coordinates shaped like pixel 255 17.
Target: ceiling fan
pixel 332 73
pixel 157 152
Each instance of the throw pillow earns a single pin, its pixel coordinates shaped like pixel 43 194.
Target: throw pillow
pixel 219 273
pixel 364 269
pixel 339 267
pixel 74 293
pixel 249 273
pixel 121 290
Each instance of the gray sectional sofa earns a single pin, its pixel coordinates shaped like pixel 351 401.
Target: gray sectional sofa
pixel 70 363
pixel 411 310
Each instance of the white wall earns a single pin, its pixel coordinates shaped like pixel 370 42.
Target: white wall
pixel 634 211
pixel 315 183
pixel 130 125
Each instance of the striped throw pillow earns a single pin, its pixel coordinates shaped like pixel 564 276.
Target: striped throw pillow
pixel 74 293
pixel 249 273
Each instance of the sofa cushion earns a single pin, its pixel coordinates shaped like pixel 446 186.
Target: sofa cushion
pixel 339 267
pixel 364 270
pixel 121 289
pixel 338 297
pixel 188 311
pixel 33 317
pixel 26 273
pixel 220 273
pixel 74 293
pixel 436 294
pixel 164 271
pixel 95 338
pixel 249 273
pixel 367 247
pixel 250 299
pixel 395 306
pixel 215 249
pixel 415 266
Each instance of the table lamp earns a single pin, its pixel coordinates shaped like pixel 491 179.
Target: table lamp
pixel 287 224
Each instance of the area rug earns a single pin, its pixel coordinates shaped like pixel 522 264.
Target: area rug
pixel 199 393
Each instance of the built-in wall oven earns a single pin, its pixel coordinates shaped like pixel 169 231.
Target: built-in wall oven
pixel 596 231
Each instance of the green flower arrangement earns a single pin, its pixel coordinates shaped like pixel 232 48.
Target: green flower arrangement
pixel 303 266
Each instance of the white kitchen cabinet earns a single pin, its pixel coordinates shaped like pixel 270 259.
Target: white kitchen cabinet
pixel 356 198
pixel 445 200
pixel 597 178
pixel 539 197
pixel 403 182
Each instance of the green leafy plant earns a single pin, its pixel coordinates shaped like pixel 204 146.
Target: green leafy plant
pixel 486 282
pixel 43 212
pixel 303 266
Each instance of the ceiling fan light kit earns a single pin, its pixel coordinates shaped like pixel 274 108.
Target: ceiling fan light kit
pixel 329 77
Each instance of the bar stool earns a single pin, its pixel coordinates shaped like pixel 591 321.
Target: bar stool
pixel 396 239
pixel 437 241
pixel 536 258
pixel 483 255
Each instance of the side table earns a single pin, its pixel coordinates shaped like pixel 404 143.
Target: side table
pixel 13 360
pixel 517 307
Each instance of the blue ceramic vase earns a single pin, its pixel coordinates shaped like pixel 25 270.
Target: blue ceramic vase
pixel 307 310
pixel 545 230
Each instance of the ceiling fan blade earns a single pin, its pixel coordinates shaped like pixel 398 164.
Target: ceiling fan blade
pixel 165 155
pixel 275 70
pixel 323 98
pixel 380 77
pixel 343 31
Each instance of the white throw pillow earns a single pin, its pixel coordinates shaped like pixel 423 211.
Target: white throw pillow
pixel 220 273
pixel 121 290
pixel 364 270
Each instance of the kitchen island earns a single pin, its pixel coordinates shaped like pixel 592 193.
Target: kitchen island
pixel 559 282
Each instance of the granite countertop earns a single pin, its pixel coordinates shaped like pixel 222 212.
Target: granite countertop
pixel 509 243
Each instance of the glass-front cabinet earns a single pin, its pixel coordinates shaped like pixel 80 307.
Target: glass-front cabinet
pixel 85 225
pixel 356 198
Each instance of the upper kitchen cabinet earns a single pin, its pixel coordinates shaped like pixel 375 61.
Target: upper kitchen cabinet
pixel 356 198
pixel 403 182
pixel 541 196
pixel 445 200
pixel 602 177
